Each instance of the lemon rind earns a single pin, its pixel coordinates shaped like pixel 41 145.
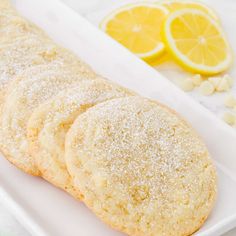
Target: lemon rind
pixel 212 13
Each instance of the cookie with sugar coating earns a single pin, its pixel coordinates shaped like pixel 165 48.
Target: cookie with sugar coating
pixel 25 94
pixel 18 55
pixel 50 122
pixel 24 45
pixel 26 52
pixel 13 26
pixel 141 168
pixel 5 4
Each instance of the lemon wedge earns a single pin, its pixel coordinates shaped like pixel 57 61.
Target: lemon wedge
pixel 174 5
pixel 197 42
pixel 137 27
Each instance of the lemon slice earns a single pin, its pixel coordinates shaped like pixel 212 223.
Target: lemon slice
pixel 137 27
pixel 174 5
pixel 197 42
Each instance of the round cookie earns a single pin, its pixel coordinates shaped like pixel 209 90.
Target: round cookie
pixel 141 168
pixel 13 26
pixel 5 4
pixel 23 96
pixel 19 55
pixel 26 52
pixel 50 122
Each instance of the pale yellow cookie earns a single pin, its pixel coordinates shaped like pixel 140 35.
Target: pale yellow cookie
pixel 141 168
pixel 23 96
pixel 22 45
pixel 50 122
pixel 28 52
pixel 13 26
pixel 5 4
pixel 19 55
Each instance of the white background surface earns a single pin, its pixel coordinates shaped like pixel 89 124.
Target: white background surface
pixel 8 225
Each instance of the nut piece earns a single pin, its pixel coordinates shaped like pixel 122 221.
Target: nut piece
pixel 229 118
pixel 230 101
pixel 206 88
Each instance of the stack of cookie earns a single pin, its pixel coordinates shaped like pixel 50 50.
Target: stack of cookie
pixel 136 163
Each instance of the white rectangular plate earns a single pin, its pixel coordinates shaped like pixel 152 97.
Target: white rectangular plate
pixel 45 210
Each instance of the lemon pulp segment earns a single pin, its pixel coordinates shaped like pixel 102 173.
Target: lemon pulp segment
pixel 137 27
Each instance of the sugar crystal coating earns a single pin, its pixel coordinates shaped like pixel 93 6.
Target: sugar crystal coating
pixel 49 123
pixel 141 168
pixel 25 94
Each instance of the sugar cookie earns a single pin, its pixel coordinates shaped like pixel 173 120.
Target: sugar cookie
pixel 13 26
pixel 24 53
pixel 24 95
pixel 50 122
pixel 141 168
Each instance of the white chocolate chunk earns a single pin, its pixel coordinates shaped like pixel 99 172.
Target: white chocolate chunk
pixel 223 85
pixel 230 101
pixel 206 88
pixel 186 85
pixel 197 79
pixel 214 80
pixel 229 118
pixel 229 79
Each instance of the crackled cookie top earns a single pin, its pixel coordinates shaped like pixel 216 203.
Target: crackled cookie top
pixel 50 122
pixel 18 55
pixel 141 167
pixel 26 93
